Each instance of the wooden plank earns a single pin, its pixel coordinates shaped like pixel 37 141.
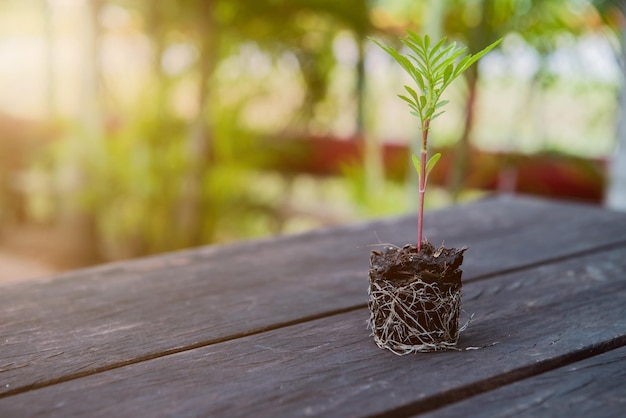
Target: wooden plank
pixel 595 387
pixel 527 322
pixel 107 317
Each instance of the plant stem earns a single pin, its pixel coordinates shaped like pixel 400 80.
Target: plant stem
pixel 422 181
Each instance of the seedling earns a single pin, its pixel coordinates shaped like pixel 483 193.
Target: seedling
pixel 433 68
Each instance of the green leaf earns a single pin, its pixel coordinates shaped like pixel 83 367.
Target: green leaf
pixel 479 55
pixel 402 60
pixel 462 65
pixel 447 73
pixel 422 102
pixel 433 67
pixel 471 59
pixel 448 55
pixel 431 163
pixel 415 48
pixel 450 59
pixel 423 67
pixel 414 37
pixel 413 105
pixel 436 115
pixel 413 93
pixel 441 104
pixel 438 46
pixel 419 81
pixel 417 163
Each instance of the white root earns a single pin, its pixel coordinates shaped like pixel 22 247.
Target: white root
pixel 394 313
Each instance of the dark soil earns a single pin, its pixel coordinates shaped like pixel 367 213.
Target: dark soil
pixel 402 266
pixel 422 292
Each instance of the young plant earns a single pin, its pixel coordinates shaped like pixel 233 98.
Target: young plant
pixel 433 68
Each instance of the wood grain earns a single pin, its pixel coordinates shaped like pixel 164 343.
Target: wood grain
pixel 107 317
pixel 594 387
pixel 528 322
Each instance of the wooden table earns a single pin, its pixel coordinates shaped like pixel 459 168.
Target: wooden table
pixel 277 327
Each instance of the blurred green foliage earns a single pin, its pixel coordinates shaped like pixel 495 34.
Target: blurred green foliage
pixel 185 160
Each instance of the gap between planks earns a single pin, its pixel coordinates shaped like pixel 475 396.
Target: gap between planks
pixel 462 393
pixel 40 385
pixel 599 249
pixel 561 392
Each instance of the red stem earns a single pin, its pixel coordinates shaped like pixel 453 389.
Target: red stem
pixel 422 183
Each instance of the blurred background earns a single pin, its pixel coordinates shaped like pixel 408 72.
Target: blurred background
pixel 134 127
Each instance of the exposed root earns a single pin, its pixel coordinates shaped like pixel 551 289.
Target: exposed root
pixel 417 317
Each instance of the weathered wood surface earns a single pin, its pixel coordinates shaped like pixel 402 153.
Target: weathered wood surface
pixel 330 367
pixel 107 317
pixel 594 387
pixel 281 322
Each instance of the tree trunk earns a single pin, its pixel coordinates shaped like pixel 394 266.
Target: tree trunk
pixel 360 85
pixel 79 224
pixel 478 38
pixel 372 158
pixel 463 148
pixel 200 137
pixel 616 193
pixel 51 109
